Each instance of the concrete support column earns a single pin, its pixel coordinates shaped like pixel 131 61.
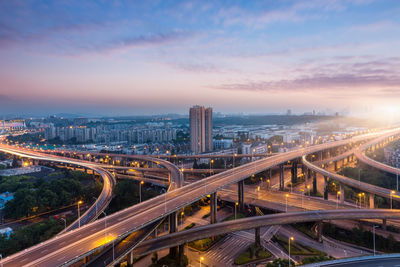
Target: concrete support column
pixel 371 201
pixel 281 177
pixel 241 195
pixel 181 254
pixel 319 231
pixel 325 187
pixel 315 183
pixel 257 237
pixel 294 171
pixel 130 258
pixel 384 225
pixel 341 194
pixel 173 227
pixel 213 207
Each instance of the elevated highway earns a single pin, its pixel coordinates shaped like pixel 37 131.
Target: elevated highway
pixel 201 232
pixel 76 244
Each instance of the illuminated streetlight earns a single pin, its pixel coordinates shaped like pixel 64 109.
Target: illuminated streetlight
pixel 79 214
pixel 337 199
pixel 201 259
pixel 287 195
pixel 140 191
pixel 236 204
pixel 290 239
pixel 391 198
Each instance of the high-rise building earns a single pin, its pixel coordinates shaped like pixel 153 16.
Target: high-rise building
pixel 209 129
pixel 201 136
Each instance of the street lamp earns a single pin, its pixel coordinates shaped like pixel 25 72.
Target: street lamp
pixel 337 199
pixel 359 199
pixel 182 213
pixel 373 231
pixel 290 239
pixel 287 195
pixel 201 259
pixel 302 195
pixel 308 190
pixel 236 204
pixel 391 198
pixel 268 181
pixel 140 191
pixel 65 222
pixel 79 214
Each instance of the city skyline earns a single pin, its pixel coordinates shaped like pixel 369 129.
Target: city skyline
pixel 126 58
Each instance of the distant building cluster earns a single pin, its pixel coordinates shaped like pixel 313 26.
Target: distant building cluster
pixel 20 171
pixel 201 129
pixel 392 155
pixel 105 134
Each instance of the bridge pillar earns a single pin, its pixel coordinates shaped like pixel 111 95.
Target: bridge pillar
pixel 319 231
pixel 241 195
pixel 130 258
pixel 314 183
pixel 325 187
pixel 213 207
pixel 371 201
pixel 335 165
pixel 257 237
pixel 384 225
pixel 173 227
pixel 294 171
pixel 341 194
pixel 281 177
pixel 181 254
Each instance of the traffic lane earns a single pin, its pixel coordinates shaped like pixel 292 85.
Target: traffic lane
pixel 368 263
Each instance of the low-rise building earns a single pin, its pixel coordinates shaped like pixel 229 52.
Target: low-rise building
pixel 4 198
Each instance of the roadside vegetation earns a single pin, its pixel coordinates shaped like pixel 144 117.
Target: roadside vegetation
pixel 252 254
pixel 37 195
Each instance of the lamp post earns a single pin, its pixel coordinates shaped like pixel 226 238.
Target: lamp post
pixel 65 222
pixel 337 199
pixel 373 232
pixel 302 198
pixel 95 199
pixel 308 190
pixel 211 162
pixel 79 213
pixel 236 204
pixel 397 176
pixel 182 213
pixel 290 239
pixel 268 182
pixel 286 196
pixel 201 259
pixel 140 191
pixel 391 198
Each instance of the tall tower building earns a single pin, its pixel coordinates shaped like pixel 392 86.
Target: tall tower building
pixel 201 139
pixel 209 129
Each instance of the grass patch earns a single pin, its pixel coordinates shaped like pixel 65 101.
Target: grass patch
pixel 296 248
pixel 252 253
pixel 190 226
pixel 232 217
pixel 206 243
pixel 313 259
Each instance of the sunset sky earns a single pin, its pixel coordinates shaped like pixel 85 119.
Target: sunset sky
pixel 151 57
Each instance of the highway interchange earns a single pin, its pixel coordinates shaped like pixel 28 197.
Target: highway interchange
pixel 73 245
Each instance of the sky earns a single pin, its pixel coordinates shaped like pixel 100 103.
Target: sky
pixel 150 57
